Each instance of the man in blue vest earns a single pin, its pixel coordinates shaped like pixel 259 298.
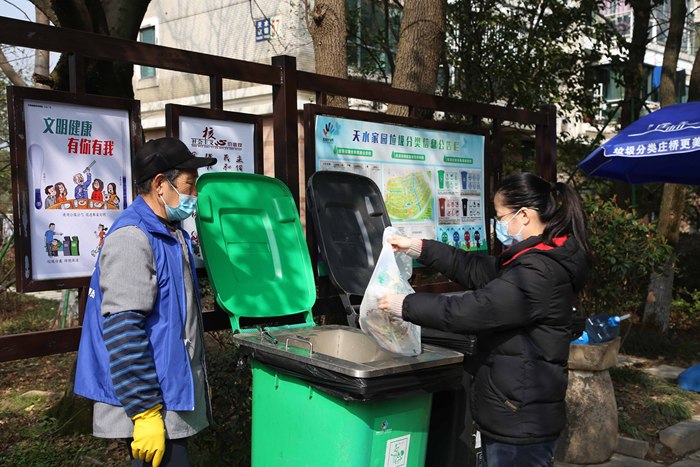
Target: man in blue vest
pixel 141 356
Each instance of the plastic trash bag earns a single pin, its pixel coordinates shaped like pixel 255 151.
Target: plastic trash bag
pixel 390 276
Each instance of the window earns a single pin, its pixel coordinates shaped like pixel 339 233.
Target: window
pixel 147 35
pixel 620 14
pixel 660 22
pixel 373 36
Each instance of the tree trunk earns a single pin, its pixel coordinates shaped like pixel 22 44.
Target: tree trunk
pixel 117 18
pixel 658 306
pixel 633 73
pixel 121 18
pixel 633 78
pixel 329 36
pixel 41 76
pixel 420 45
pixel 694 86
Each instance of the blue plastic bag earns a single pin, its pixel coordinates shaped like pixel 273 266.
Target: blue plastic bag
pixel 690 378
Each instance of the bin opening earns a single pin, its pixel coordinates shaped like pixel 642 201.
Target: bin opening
pixel 346 363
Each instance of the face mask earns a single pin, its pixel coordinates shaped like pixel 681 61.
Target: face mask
pixel 502 232
pixel 185 208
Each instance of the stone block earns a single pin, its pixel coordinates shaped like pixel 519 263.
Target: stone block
pixel 631 447
pixel 665 371
pixel 618 460
pixel 591 413
pixel 594 357
pixel 685 463
pixel 682 437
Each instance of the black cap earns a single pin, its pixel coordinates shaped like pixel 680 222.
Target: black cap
pixel 163 154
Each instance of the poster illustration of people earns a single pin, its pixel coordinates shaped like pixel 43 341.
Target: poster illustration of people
pixel 79 178
pixel 231 143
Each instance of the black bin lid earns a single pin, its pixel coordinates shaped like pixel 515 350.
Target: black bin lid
pixel 349 218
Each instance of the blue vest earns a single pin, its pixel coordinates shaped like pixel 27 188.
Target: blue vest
pixel 165 324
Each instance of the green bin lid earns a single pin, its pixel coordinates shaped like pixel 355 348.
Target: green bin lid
pixel 254 247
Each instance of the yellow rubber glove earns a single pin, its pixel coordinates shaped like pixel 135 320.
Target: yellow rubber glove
pixel 149 436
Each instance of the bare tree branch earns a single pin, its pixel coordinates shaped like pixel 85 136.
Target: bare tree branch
pixel 10 71
pixel 18 9
pixel 47 9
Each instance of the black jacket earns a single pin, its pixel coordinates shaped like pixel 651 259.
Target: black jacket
pixel 521 310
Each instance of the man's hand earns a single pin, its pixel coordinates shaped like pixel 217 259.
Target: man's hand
pixel 149 436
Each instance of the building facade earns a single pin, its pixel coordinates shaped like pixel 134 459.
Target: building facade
pixel 251 30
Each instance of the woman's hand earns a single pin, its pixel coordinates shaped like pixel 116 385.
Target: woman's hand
pixel 399 243
pixel 392 304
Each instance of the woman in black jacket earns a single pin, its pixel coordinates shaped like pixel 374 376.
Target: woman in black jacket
pixel 521 310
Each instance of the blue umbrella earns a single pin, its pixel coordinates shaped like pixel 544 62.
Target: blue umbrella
pixel 662 147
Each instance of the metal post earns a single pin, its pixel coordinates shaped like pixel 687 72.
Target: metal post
pixel 546 144
pixel 76 73
pixel 285 124
pixel 216 93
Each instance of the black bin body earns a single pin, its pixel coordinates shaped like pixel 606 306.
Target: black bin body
pixel 349 217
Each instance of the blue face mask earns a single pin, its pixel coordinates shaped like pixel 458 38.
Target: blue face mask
pixel 502 232
pixel 185 208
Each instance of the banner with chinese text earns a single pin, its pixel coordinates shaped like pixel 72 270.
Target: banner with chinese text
pixel 231 143
pixel 79 180
pixel 432 180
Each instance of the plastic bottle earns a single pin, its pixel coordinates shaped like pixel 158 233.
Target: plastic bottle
pixel 582 339
pixel 603 328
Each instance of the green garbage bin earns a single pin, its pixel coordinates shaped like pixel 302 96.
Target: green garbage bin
pixel 297 424
pixel 75 246
pixel 322 395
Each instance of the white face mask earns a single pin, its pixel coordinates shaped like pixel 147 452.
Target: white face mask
pixel 186 206
pixel 502 231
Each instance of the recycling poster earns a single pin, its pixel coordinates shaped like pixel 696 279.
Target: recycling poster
pixel 231 143
pixel 432 181
pixel 79 178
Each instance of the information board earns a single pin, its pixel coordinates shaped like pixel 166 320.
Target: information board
pixel 234 139
pixel 72 171
pixel 432 180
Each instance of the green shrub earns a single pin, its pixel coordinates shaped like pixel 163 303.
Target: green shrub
pixel 626 251
pixel 22 313
pixel 679 350
pixel 629 427
pixel 646 401
pixel 686 301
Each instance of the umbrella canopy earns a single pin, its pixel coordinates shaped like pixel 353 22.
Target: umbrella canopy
pixel 662 147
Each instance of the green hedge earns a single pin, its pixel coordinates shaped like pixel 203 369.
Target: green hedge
pixel 626 251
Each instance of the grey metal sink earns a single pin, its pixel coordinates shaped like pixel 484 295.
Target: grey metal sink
pixel 344 350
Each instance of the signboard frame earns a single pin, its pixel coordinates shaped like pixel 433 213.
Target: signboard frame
pixel 312 111
pixel 175 114
pixel 22 198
